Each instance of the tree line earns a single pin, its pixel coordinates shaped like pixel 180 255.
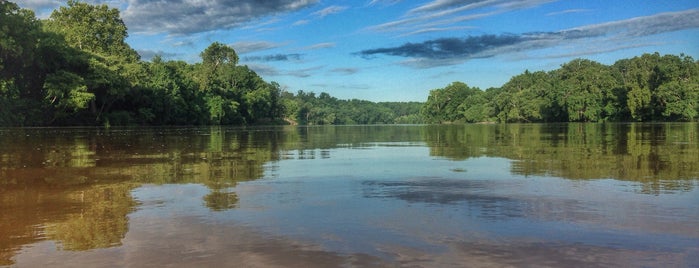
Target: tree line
pixel 308 109
pixel 75 68
pixel 649 87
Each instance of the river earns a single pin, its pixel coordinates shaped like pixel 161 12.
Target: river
pixel 523 195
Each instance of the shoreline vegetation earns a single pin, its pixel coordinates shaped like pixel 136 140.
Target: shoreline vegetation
pixel 75 69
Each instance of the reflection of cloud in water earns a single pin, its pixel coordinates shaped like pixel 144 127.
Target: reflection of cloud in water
pixel 189 242
pixel 447 192
pixel 526 253
pixel 480 200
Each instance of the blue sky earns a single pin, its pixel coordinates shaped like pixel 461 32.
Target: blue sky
pixel 398 50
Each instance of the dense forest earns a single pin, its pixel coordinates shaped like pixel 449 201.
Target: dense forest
pixel 75 68
pixel 646 88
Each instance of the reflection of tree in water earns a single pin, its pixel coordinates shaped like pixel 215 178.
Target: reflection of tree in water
pixel 62 205
pixel 219 200
pixel 74 185
pixel 102 221
pixel 662 157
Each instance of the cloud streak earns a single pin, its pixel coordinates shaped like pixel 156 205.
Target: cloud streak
pixel 568 11
pixel 149 54
pixel 267 70
pixel 274 57
pixel 320 46
pixel 444 4
pixel 187 17
pixel 445 48
pixel 252 46
pixel 38 4
pixel 447 13
pixel 449 51
pixel 329 11
pixel 345 71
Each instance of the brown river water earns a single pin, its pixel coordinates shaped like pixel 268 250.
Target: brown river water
pixel 516 195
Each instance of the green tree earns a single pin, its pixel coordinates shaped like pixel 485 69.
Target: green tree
pixel 20 81
pixel 67 93
pixel 634 77
pixel 99 31
pixel 443 104
pixel 678 101
pixel 95 28
pixel 675 81
pixel 525 98
pixel 659 87
pixel 587 88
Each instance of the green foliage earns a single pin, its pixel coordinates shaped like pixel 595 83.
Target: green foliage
pixel 646 88
pixel 678 102
pixel 587 91
pixel 308 109
pixel 75 68
pixel 67 92
pixel 444 105
pixel 525 98
pixel 94 28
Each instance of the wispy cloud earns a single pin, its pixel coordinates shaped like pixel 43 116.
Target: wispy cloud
pixel 320 46
pixel 598 50
pixel 437 29
pixel 264 69
pixel 252 46
pixel 569 11
pixel 300 22
pixel 149 54
pixel 38 4
pixel 303 73
pixel 329 11
pixel 345 71
pixel 262 24
pixel 187 17
pixel 444 4
pixel 446 48
pixel 449 51
pixel 448 13
pixel 267 70
pixel 183 43
pixel 274 57
pixel 387 2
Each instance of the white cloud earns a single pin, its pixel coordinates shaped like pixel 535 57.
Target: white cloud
pixel 300 22
pixel 615 35
pixel 446 13
pixel 186 17
pixel 320 46
pixel 329 11
pixel 252 46
pixel 38 4
pixel 568 11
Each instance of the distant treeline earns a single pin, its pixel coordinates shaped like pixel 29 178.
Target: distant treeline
pixel 646 88
pixel 75 68
pixel 308 109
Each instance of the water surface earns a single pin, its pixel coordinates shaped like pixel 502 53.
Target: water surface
pixel 559 195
